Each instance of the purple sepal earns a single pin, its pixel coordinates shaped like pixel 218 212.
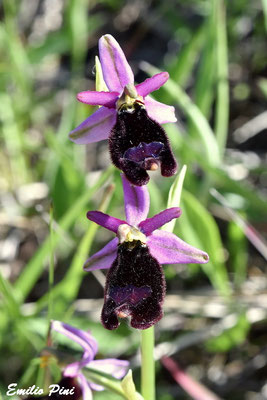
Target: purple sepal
pixel 104 258
pixel 105 220
pixel 159 112
pixel 151 224
pixel 136 202
pixel 95 128
pixel 152 84
pixel 116 70
pixel 107 99
pixel 169 249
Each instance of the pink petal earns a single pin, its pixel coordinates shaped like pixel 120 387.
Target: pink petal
pixel 95 128
pixel 150 224
pixel 193 388
pixel 104 258
pixel 136 202
pixel 111 366
pixel 96 387
pixel 107 99
pixel 72 370
pixel 167 248
pixel 152 84
pixel 85 386
pixel 162 113
pixel 116 70
pixel 105 220
pixel 84 339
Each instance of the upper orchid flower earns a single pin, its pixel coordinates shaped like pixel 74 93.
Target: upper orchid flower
pixel 135 284
pixel 128 117
pixel 114 367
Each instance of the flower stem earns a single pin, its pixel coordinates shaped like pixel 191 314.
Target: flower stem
pixel 148 364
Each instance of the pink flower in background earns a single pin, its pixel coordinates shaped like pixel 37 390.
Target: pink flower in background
pixel 135 284
pixel 112 366
pixel 129 118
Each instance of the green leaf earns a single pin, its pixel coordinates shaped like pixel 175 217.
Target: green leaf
pixel 198 227
pixel 128 387
pixel 100 85
pixel 264 7
pixel 238 254
pixel 180 69
pixel 175 197
pixel 9 296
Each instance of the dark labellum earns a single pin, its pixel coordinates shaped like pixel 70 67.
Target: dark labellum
pixel 135 287
pixel 69 388
pixel 137 144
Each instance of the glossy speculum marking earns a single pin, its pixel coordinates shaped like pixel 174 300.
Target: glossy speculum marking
pixel 137 144
pixel 135 287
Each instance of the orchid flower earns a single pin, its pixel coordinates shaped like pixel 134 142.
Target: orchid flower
pixel 135 283
pixel 73 371
pixel 128 117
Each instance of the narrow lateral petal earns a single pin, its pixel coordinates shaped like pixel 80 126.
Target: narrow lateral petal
pixel 83 338
pixel 105 220
pixel 151 224
pixel 167 248
pixel 107 99
pixel 85 386
pixel 152 84
pixel 111 366
pixel 104 258
pixel 95 128
pixel 116 70
pixel 136 202
pixel 162 113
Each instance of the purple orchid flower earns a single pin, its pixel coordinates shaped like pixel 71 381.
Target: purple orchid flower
pixel 73 371
pixel 128 117
pixel 135 284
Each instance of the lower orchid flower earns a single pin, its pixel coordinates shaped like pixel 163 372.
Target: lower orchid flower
pixel 73 375
pixel 135 283
pixel 128 117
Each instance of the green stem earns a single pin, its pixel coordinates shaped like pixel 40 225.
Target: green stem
pixel 148 364
pixel 222 106
pixel 51 266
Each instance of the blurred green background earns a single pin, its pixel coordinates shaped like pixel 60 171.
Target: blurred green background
pixel 215 52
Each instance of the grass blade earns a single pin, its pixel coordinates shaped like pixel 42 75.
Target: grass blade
pixel 222 104
pixel 175 197
pixel 35 267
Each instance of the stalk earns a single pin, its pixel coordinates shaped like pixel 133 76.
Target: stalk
pixel 147 364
